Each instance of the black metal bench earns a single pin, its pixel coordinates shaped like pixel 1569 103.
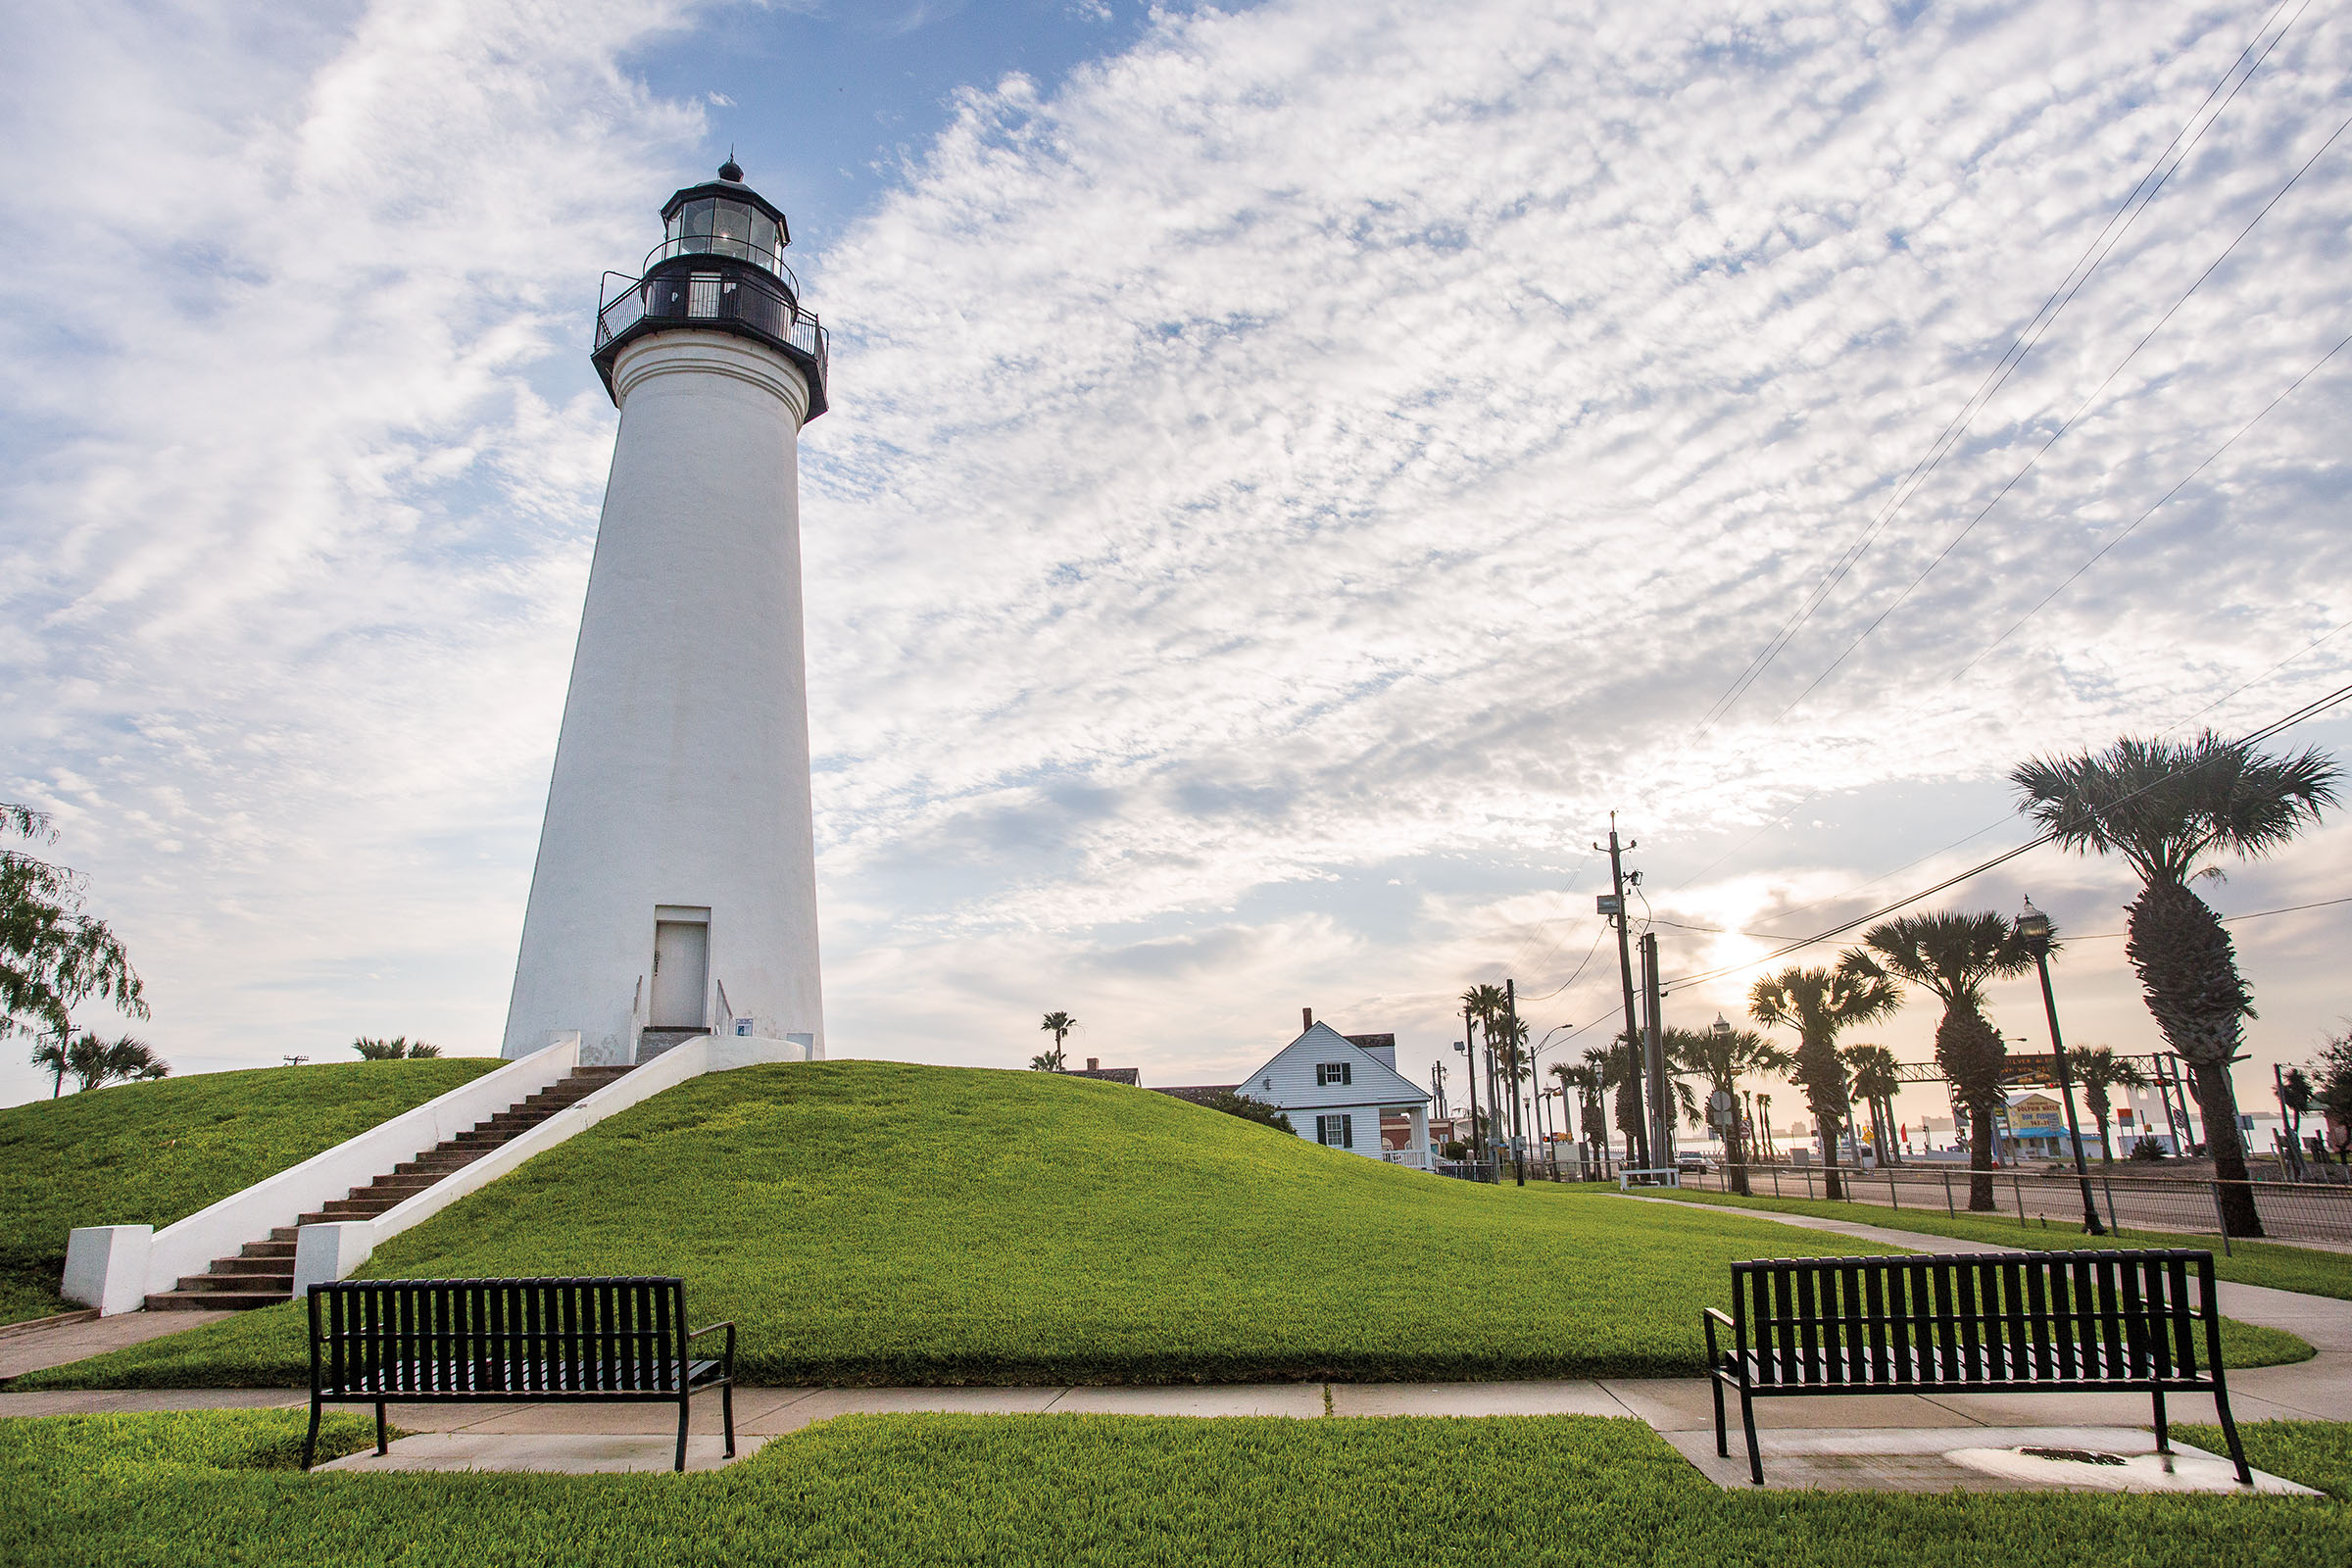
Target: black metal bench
pixel 458 1341
pixel 1971 1323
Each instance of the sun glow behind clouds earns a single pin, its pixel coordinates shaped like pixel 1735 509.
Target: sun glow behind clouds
pixel 1285 485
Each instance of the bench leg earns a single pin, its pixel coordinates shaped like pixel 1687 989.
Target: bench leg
pixel 1723 1445
pixel 2237 1452
pixel 310 1443
pixel 381 1446
pixel 726 1404
pixel 1747 1419
pixel 2164 1430
pixel 683 1407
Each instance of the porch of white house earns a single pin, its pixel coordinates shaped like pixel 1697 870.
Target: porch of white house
pixel 1404 1135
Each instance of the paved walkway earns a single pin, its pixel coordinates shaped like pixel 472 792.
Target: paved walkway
pixel 1892 1442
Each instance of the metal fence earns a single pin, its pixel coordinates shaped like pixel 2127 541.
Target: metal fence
pixel 2318 1211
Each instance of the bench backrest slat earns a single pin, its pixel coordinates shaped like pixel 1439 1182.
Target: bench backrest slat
pixel 1994 1318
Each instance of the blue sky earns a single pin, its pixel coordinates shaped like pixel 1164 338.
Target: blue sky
pixel 1293 471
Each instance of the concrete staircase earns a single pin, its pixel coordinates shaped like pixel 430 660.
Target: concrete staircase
pixel 262 1274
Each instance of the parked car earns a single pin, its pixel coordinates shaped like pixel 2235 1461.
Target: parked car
pixel 1696 1164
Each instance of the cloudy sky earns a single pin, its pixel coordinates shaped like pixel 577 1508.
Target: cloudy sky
pixel 1293 471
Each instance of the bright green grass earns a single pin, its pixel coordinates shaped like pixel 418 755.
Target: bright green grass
pixel 873 1222
pixel 154 1152
pixel 1069 1492
pixel 2286 1268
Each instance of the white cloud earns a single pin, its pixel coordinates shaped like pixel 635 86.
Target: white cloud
pixel 1283 489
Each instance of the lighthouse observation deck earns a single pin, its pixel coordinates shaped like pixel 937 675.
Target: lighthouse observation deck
pixel 719 268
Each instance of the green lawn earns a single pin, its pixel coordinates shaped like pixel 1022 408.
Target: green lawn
pixel 1073 1491
pixel 154 1152
pixel 872 1222
pixel 2286 1268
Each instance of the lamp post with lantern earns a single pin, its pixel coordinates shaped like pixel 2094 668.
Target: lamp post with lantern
pixel 2033 927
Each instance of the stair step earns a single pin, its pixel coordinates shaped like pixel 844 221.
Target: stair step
pixel 235 1284
pixel 246 1266
pixel 214 1300
pixel 271 1248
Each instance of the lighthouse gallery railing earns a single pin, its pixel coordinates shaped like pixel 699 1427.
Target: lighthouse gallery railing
pixel 731 297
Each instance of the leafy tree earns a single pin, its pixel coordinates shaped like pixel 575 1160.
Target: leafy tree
pixel 1721 1058
pixel 1249 1109
pixel 1870 1071
pixel 1955 957
pixel 1587 1082
pixel 53 957
pixel 1060 1025
pixel 2331 1080
pixel 2166 807
pixel 1820 1005
pixel 2100 1072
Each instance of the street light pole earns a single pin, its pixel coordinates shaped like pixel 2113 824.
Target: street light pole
pixel 2035 927
pixel 1510 1046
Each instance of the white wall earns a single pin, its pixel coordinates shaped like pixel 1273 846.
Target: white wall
pixel 682 775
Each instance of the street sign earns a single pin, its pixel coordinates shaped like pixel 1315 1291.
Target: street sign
pixel 2030 1070
pixel 1720 1104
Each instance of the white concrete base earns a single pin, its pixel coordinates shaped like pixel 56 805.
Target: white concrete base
pixel 106 1266
pixel 1968 1458
pixel 547 1453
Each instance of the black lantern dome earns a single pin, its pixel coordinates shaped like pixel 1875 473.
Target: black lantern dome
pixel 719 268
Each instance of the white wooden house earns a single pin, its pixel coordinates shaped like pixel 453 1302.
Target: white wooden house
pixel 1334 1089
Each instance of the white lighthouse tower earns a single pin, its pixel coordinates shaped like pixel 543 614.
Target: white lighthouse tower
pixel 676 891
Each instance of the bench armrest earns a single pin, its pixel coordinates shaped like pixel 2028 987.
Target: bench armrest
pixel 729 1326
pixel 1709 1317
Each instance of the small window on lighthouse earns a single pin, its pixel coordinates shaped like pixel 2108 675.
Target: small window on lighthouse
pixel 734 223
pixel 763 238
pixel 698 217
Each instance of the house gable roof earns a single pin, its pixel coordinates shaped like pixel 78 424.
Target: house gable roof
pixel 1293 1070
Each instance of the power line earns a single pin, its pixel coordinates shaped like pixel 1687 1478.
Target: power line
pixel 2227 920
pixel 2058 434
pixel 2134 204
pixel 2097 555
pixel 2332 699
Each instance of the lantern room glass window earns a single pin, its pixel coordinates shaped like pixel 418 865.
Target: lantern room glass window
pixel 714 226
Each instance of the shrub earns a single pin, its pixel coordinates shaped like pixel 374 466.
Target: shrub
pixel 1256 1111
pixel 393 1050
pixel 2147 1148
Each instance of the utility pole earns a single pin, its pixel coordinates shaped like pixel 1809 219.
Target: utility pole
pixel 1510 1045
pixel 1495 1111
pixel 1653 1048
pixel 1437 1084
pixel 1613 905
pixel 1470 1059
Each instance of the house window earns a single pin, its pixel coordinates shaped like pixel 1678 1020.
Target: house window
pixel 1336 1132
pixel 1333 1072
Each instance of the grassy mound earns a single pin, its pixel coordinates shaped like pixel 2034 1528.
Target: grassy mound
pixel 873 1222
pixel 151 1154
pixel 1072 1491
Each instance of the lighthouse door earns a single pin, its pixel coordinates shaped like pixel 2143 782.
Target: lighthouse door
pixel 681 974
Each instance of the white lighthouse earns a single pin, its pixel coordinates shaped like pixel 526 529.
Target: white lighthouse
pixel 676 891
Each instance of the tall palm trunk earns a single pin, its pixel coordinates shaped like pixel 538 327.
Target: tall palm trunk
pixel 2188 971
pixel 1734 1150
pixel 1970 1054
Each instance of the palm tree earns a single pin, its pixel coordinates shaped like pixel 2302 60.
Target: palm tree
pixel 1955 956
pixel 1059 1024
pixel 1871 1069
pixel 1820 1004
pixel 1764 1123
pixel 1625 1058
pixel 2165 807
pixel 1722 1057
pixel 95 1062
pixel 1582 1082
pixel 2098 1069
